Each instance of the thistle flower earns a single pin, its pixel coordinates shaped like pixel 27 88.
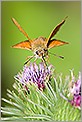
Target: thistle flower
pixel 74 91
pixel 76 101
pixel 35 74
pixel 40 104
pixel 75 88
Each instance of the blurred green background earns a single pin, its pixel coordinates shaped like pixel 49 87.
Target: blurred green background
pixel 38 19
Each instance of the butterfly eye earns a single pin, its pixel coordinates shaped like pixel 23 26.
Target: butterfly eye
pixel 45 50
pixel 37 52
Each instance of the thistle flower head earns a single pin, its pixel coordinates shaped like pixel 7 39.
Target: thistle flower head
pixel 76 92
pixel 76 101
pixel 76 87
pixel 34 73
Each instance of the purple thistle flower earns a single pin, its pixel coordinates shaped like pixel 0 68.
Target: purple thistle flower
pixel 76 87
pixel 76 101
pixel 75 91
pixel 34 73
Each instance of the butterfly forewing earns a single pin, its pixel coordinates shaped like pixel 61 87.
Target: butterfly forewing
pixel 54 42
pixel 55 30
pixel 23 45
pixel 20 28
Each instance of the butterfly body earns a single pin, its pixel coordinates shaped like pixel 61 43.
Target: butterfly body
pixel 40 45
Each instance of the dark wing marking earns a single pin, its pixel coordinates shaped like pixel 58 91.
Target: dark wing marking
pixel 54 42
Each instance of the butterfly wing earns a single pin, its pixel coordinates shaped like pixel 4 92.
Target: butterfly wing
pixel 54 42
pixel 23 45
pixel 55 30
pixel 20 28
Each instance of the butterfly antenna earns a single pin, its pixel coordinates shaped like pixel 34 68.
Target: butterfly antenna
pixel 20 28
pixel 62 57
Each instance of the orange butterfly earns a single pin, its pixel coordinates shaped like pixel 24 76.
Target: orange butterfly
pixel 40 45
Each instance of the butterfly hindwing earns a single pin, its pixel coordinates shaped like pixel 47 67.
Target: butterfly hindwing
pixel 23 45
pixel 54 42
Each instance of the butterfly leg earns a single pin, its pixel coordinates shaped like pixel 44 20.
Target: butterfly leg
pixel 47 59
pixel 44 61
pixel 35 59
pixel 28 59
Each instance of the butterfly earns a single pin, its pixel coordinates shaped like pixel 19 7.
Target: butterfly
pixel 41 45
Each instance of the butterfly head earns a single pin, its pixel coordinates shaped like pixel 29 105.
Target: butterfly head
pixel 41 53
pixel 39 47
